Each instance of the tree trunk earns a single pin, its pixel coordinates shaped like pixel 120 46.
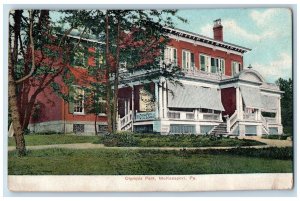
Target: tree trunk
pixel 108 87
pixel 12 97
pixel 96 133
pixel 116 82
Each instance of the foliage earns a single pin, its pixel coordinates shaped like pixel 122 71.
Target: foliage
pixel 276 137
pixel 149 162
pixel 286 104
pixel 153 140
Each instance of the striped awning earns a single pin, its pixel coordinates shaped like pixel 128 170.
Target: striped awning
pixel 269 103
pixel 191 96
pixel 251 97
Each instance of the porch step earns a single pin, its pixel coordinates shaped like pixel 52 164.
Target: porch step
pixel 221 129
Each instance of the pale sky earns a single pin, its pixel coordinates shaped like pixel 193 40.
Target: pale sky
pixel 268 32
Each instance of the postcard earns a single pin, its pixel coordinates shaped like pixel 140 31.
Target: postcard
pixel 150 100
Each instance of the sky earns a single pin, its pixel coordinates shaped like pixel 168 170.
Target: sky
pixel 268 32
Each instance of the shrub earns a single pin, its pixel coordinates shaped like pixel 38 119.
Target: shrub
pixel 119 140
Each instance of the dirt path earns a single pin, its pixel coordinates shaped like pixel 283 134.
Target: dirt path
pixel 271 142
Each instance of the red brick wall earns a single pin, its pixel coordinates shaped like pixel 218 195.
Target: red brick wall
pixel 181 45
pixel 49 107
pixel 228 97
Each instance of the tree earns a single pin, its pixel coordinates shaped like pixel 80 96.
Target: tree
pixel 137 37
pixel 286 85
pixel 36 59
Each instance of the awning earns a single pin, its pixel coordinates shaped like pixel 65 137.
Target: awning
pixel 191 96
pixel 251 97
pixel 269 103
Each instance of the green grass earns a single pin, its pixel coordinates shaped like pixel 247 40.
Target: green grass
pixel 54 139
pixel 147 162
pixel 155 140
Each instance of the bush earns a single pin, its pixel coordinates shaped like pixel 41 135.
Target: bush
pixel 179 140
pixel 119 140
pixel 282 153
pixel 275 137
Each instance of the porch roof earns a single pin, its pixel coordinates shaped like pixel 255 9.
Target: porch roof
pixel 251 97
pixel 191 96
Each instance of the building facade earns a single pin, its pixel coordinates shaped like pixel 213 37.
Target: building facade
pixel 217 95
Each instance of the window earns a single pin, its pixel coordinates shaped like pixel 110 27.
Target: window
pixel 78 101
pixel 170 55
pixel 78 128
pixel 222 66
pixel 188 60
pixel 217 65
pixel 204 63
pixel 235 68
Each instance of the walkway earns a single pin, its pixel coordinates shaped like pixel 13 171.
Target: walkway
pixel 268 142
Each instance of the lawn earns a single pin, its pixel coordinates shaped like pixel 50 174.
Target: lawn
pixel 150 162
pixel 155 140
pixel 54 139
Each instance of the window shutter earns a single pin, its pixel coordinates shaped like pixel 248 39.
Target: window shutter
pixel 192 61
pixel 184 59
pixel 175 55
pixel 202 60
pixel 71 99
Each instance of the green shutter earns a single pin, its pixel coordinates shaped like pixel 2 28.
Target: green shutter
pixel 175 55
pixel 192 61
pixel 202 58
pixel 71 99
pixel 213 65
pixel 184 59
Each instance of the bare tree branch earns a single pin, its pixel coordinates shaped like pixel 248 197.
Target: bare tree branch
pixel 32 51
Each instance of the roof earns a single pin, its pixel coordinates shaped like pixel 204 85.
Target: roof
pixel 208 40
pixel 191 96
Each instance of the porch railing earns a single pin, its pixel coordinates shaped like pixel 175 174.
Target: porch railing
pixel 271 120
pixel 249 116
pixel 211 116
pixel 231 122
pixel 124 121
pixel 264 123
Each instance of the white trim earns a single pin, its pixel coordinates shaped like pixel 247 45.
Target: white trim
pixel 204 44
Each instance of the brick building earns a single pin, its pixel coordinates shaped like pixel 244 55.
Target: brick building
pixel 218 95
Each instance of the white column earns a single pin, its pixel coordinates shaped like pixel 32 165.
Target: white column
pixel 160 100
pixel 132 106
pixel 279 111
pixel 156 101
pixel 237 90
pixel 165 96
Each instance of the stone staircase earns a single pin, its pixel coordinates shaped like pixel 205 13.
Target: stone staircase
pixel 221 129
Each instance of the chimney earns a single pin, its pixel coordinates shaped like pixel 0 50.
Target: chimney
pixel 218 30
